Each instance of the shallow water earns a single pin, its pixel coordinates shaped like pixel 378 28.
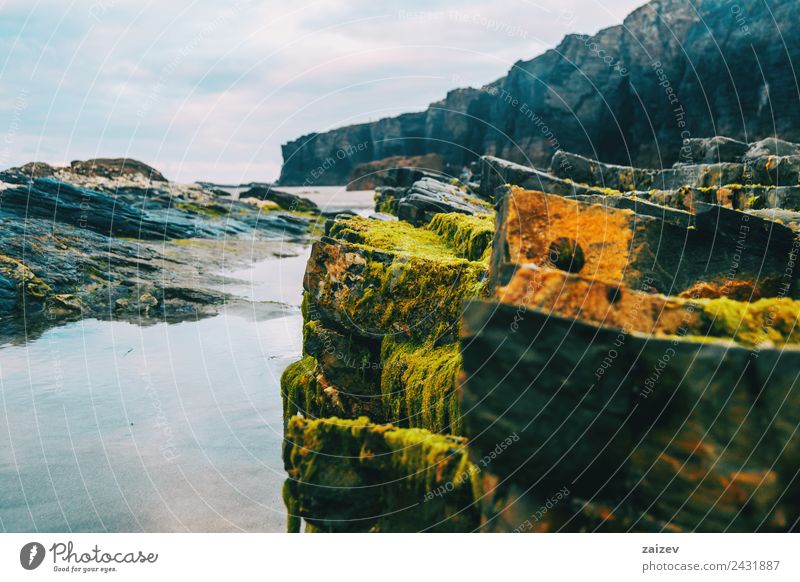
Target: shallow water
pixel 109 426
pixel 326 197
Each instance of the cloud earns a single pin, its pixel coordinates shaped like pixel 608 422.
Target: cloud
pixel 206 90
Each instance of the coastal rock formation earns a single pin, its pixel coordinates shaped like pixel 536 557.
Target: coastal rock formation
pixel 395 171
pixel 283 200
pixel 369 329
pixel 391 476
pixel 116 168
pixel 645 405
pixel 629 366
pixel 634 94
pixel 90 240
pixel 426 198
pixel 619 246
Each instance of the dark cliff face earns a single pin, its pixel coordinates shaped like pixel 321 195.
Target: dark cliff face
pixel 675 69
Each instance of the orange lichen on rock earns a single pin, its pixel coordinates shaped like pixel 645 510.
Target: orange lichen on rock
pixel 599 302
pixel 612 305
pixel 537 221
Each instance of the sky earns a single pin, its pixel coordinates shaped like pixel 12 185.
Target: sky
pixel 209 90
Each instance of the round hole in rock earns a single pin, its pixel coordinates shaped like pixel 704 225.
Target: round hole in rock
pixel 566 254
pixel 613 294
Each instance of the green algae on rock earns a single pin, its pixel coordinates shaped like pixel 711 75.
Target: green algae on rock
pixel 375 278
pixel 299 389
pixel 447 241
pixel 418 385
pixel 352 475
pixel 470 236
pixel 767 320
pixel 382 306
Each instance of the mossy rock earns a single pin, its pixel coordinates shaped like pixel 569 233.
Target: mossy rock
pixel 767 320
pixel 30 286
pixel 418 385
pixel 374 278
pixel 470 236
pixel 703 315
pixel 307 390
pixel 348 361
pixel 351 475
pixel 300 391
pixel 448 237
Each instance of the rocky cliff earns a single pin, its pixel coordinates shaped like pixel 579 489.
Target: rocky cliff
pixel 631 94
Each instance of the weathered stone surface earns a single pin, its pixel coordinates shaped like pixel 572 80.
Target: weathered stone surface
pixel 628 179
pixel 723 249
pixel 348 361
pixel 734 196
pixel 307 391
pixel 372 293
pixel 418 385
pixel 633 310
pixel 642 207
pixel 397 171
pixel 374 278
pixel 116 168
pixel 714 150
pixel 353 476
pixel 790 218
pixel 496 173
pixel 773 171
pixel 427 198
pixel 678 434
pixel 590 172
pixel 771 146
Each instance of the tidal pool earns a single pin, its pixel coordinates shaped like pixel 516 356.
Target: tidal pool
pixel 111 426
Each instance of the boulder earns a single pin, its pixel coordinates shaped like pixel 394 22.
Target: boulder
pixel 667 433
pixel 722 250
pixel 428 197
pixel 714 150
pixel 769 147
pixel 116 168
pixel 376 278
pixel 285 200
pixel 354 476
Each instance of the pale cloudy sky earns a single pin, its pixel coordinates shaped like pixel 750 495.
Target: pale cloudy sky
pixel 209 90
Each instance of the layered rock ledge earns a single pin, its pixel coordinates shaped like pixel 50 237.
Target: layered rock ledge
pixel 622 365
pixel 114 239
